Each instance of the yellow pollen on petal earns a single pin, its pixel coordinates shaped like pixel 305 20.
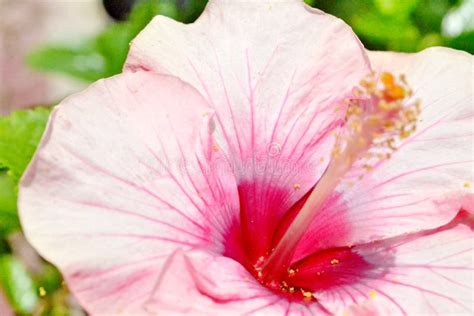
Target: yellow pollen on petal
pixel 296 186
pixel 372 294
pixel 467 184
pixel 291 289
pixel 215 148
pixel 334 261
pixel 307 295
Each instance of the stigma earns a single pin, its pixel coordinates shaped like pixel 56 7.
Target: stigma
pixel 381 114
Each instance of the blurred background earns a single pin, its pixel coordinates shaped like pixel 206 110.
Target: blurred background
pixel 51 48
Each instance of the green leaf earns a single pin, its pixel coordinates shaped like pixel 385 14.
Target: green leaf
pixel 20 133
pixel 113 45
pixel 465 41
pixel 17 285
pixel 8 196
pixel 103 55
pixel 429 15
pixel 49 279
pixel 400 8
pixel 114 42
pixel 82 62
pixel 391 32
pixel 190 10
pixel 429 40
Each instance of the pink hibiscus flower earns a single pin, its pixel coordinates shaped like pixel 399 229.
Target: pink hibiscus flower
pixel 261 162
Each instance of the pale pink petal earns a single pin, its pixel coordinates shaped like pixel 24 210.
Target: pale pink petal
pixel 276 73
pixel 423 184
pixel 425 273
pixel 122 179
pixel 468 203
pixel 200 283
pixel 434 273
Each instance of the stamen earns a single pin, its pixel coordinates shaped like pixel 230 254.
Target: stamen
pixel 376 120
pixel 308 296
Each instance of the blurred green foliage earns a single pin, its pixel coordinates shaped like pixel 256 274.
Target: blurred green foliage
pixel 19 135
pixel 105 54
pixel 17 284
pixel 400 25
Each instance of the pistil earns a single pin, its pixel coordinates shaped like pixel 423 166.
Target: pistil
pixel 377 117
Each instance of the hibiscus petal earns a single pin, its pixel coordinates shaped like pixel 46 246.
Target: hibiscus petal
pixel 424 273
pixel 121 180
pixel 202 283
pixel 422 185
pixel 275 73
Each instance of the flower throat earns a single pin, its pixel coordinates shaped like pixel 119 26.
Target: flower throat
pixel 378 117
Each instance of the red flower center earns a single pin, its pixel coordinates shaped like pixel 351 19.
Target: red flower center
pixel 265 242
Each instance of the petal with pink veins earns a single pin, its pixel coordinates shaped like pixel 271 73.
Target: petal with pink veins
pixel 425 273
pixel 201 283
pixel 424 183
pixel 121 179
pixel 429 273
pixel 276 74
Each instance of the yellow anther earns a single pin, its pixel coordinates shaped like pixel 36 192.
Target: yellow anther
pixel 291 289
pixel 394 93
pixel 367 167
pixel 356 126
pixel 387 79
pixel 291 272
pixel 334 261
pixel 391 144
pixel 467 184
pixel 42 291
